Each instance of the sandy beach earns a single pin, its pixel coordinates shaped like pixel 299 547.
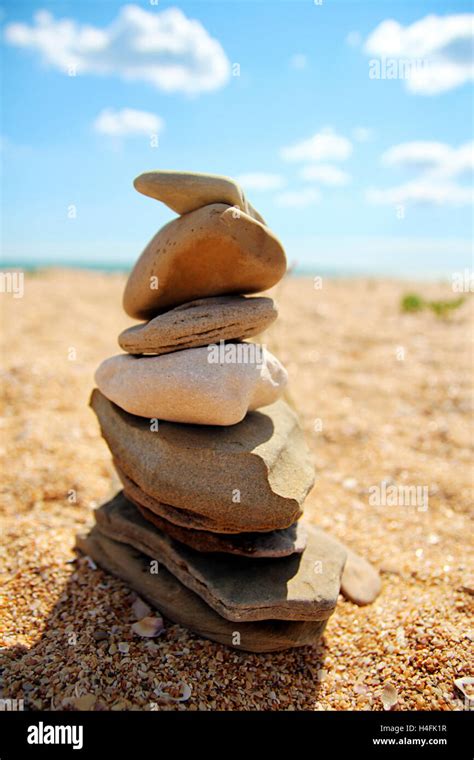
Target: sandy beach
pixel 385 399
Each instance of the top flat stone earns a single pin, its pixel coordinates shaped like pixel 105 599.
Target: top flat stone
pixel 187 191
pixel 212 251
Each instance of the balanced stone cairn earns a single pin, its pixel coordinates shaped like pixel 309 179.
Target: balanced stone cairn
pixel 212 460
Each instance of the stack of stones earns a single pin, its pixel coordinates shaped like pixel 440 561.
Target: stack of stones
pixel 212 460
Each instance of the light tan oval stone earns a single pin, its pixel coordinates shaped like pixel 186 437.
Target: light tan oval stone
pixel 361 581
pixel 212 251
pixel 198 323
pixel 253 476
pixel 186 386
pixel 187 191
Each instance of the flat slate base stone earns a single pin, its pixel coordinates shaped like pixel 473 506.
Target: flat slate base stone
pixel 360 582
pixel 199 323
pixel 253 476
pixel 276 543
pixel 187 191
pixel 213 251
pixel 186 386
pixel 180 605
pixel 300 587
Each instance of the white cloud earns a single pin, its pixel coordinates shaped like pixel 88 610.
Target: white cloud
pixel 461 161
pixel 326 145
pixel 440 159
pixel 166 49
pixel 298 198
pixel 422 191
pixel 298 61
pixel 420 154
pixel 325 174
pixel 261 181
pixel 443 44
pixel 437 166
pixel 127 122
pixel 363 134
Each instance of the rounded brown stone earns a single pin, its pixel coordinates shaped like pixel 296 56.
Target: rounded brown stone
pixel 212 251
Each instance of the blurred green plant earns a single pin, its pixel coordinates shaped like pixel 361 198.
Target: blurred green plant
pixel 412 302
pixel 443 308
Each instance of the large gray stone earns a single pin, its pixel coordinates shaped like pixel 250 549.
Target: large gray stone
pixel 253 476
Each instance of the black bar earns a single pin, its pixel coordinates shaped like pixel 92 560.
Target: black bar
pixel 378 734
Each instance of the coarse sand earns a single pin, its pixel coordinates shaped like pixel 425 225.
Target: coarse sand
pixel 384 397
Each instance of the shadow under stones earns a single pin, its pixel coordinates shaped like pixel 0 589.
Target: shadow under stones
pixel 88 658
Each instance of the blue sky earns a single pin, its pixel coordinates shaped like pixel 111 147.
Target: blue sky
pixel 351 171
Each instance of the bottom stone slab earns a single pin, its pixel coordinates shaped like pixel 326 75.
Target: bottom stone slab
pixel 241 589
pixel 181 605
